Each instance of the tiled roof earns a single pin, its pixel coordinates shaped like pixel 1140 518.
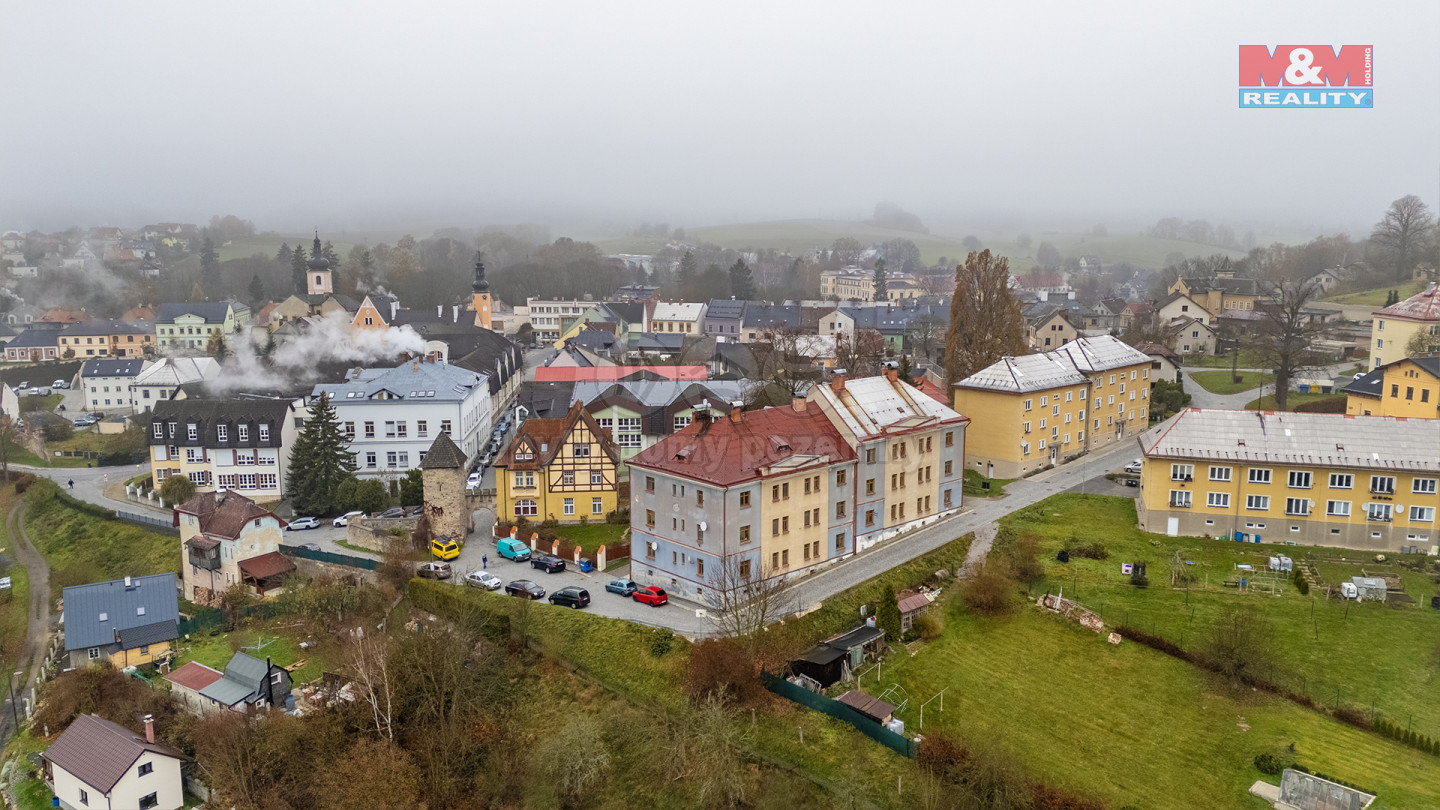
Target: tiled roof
pixel 443 455
pixel 267 565
pixel 99 752
pixel 1423 306
pixel 613 373
pixel 1380 443
pixel 222 514
pixel 415 380
pixel 194 675
pixel 149 600
pixel 724 452
pixel 678 312
pixel 545 437
pixel 211 312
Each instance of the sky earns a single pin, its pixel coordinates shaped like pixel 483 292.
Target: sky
pixel 373 114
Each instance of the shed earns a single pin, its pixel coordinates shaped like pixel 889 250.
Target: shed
pixel 911 604
pixel 1370 588
pixel 824 664
pixel 187 681
pixel 859 643
pixel 873 708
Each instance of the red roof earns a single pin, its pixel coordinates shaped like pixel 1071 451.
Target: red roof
pixel 724 452
pixel 222 514
pixel 1423 306
pixel 194 675
pixel 266 566
pixel 933 391
pixel 613 373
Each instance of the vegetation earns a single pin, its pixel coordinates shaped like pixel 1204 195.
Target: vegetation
pixel 985 319
pixel 974 486
pixel 84 543
pixel 1379 296
pixel 177 489
pixel 1167 399
pixel 319 461
pixel 1327 403
pixel 1222 382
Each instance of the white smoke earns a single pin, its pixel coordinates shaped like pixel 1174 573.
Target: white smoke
pixel 295 360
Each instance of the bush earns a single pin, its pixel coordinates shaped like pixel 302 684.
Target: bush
pixel 59 430
pixel 1269 765
pixel 989 590
pixel 177 489
pixel 1090 551
pixel 1301 583
pixel 23 482
pixel 929 625
pixel 722 669
pixel 663 642
pixel 1357 718
pixel 942 756
pixel 1022 552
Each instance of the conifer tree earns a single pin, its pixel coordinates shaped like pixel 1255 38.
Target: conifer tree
pixel 887 615
pixel 284 253
pixel 319 461
pixel 257 291
pixel 742 282
pixel 882 292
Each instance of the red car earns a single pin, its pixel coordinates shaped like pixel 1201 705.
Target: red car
pixel 650 595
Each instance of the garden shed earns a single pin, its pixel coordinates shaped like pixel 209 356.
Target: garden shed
pixel 912 604
pixel 1369 588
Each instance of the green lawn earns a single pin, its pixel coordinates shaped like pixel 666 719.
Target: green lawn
pixel 82 547
pixel 31 794
pixel 1267 402
pixel 1246 360
pixel 974 488
pixel 215 651
pixel 1222 382
pixel 592 535
pixel 1377 296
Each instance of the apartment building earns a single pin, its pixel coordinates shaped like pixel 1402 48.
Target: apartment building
pixel 106 339
pixel 562 469
pixel 188 328
pixel 1396 325
pixel 1361 482
pixel 1408 387
pixel 105 383
pixel 1040 410
pixel 681 318
pixel 639 413
pixel 232 444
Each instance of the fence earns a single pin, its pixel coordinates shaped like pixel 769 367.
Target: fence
pixel 330 557
pixel 901 745
pixel 205 619
pixel 159 524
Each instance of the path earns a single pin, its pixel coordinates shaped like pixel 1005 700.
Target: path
pixel 37 634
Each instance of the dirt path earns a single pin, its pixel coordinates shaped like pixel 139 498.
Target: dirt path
pixel 37 635
pixel 979 547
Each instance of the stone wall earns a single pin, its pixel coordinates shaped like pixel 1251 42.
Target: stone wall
pixel 447 504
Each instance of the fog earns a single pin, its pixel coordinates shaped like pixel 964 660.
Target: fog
pixel 376 114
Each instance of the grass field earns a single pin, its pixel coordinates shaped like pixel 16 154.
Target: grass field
pixel 1247 360
pixel 1377 296
pixel 1267 401
pixel 82 547
pixel 974 488
pixel 592 535
pixel 1221 382
pixel 216 651
pixel 14 602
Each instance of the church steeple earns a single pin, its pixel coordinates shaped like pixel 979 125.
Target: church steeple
pixel 480 293
pixel 318 281
pixel 480 284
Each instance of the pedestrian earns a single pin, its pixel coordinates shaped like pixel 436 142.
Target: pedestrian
pixel 72 483
pixel 484 560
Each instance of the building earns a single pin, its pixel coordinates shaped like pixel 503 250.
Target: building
pixel 1165 364
pixel 392 415
pixel 1048 282
pixel 577 374
pixel 105 383
pixel 558 469
pixel 1363 482
pixel 640 413
pixel 249 685
pixel 38 341
pixel 1048 326
pixel 188 328
pixel 126 621
pixel 236 444
pixel 1179 306
pixel 1408 387
pixel 226 539
pixel 96 763
pixel 761 319
pixel 1392 328
pixel 1221 293
pixel 549 317
pixel 160 381
pixel 1039 410
pixel 187 681
pixel 858 284
pixel 1191 336
pixel 107 339
pixel 910 452
pixel 681 318
pixel 724 319
pixel 443 472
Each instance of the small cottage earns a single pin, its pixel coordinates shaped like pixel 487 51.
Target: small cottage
pixel 912 604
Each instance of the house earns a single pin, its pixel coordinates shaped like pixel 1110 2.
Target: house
pixel 1408 387
pixel 96 763
pixel 1040 410
pixel 1392 328
pixel 1357 482
pixel 125 622
pixel 160 381
pixel 763 494
pixel 106 339
pixel 847 284
pixel 1135 313
pixel 575 374
pixel 249 685
pixel 639 413
pixel 1179 306
pixel 105 383
pixel 391 415
pixel 24 271
pixel 187 681
pixel 1191 336
pixel 724 319
pixel 760 319
pixel 225 539
pixel 871 707
pixel 38 341
pixel 682 318
pixel 910 452
pixel 1048 326
pixel 235 444
pixel 1165 364
pixel 912 604
pixel 558 469
pixel 187 328
pixel 1091 264
pixel 1221 293
pixel 618 318
pixel 1049 282
pixel 1330 278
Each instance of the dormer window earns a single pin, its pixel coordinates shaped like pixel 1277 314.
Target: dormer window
pixel 192 431
pixel 159 431
pixel 243 432
pixel 264 432
pixel 222 432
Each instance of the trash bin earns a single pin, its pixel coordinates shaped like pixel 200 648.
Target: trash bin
pixel 1063 556
pixel 586 565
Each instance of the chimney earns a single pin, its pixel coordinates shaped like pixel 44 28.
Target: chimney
pixel 455 313
pixel 837 381
pixel 1044 295
pixel 737 411
pixel 798 403
pixel 439 310
pixel 127 581
pixel 150 728
pixel 892 374
pixel 394 308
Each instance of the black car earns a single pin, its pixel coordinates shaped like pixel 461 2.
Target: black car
pixel 392 512
pixel 414 511
pixel 548 563
pixel 571 596
pixel 526 588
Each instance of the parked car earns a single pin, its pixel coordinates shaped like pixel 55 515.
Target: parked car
pixel 60 384
pixel 1133 467
pixel 84 422
pixel 474 480
pixel 414 511
pixel 392 512
pixel 624 587
pixel 524 587
pixel 483 579
pixel 301 523
pixel 650 595
pixel 444 548
pixel 434 570
pixel 34 392
pixel 344 520
pixel 310 546
pixel 22 386
pixel 572 596
pixel 548 563
pixel 512 549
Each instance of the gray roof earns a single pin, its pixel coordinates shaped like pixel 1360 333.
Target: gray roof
pixel 153 633
pixel 720 308
pixel 871 405
pixel 428 382
pixel 150 600
pixel 107 328
pixel 1371 383
pixel 99 752
pixel 1066 365
pixel 211 312
pixel 659 393
pixel 244 676
pixel 33 336
pixel 105 367
pixel 443 455
pixel 1379 443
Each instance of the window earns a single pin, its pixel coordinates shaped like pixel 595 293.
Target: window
pixel 597 506
pixel 192 432
pixel 1342 481
pixel 1261 502
pixel 1218 500
pixel 785 558
pixel 745 567
pixel 1300 479
pixel 699 497
pixel 1297 506
pixel 159 431
pixel 445 426
pixel 401 429
pixel 149 801
pixel 1422 513
pixel 650 518
pixel 1378 511
pixel 145 769
pixel 1180 498
pixel 744 534
pixel 1219 473
pixel 1423 486
pixel 94 653
pixel 840 478
pixel 869 517
pixel 222 433
pixel 950 438
pixel 744 497
pixel 390 459
pixel 84 796
pixel 1027 404
pixel 650 487
pixel 369 430
pixel 567 479
pixel 389 430
pixel 1182 472
pixel 682 422
pixel 582 451
pixel 1337 508
pixel 596 478
pixel 264 432
pixel 569 506
pixel 243 432
pixel 1259 475
pixel 1382 484
pixel 422 428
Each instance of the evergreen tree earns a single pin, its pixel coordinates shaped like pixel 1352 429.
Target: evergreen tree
pixel 742 282
pixel 217 349
pixel 412 488
pixel 257 291
pixel 882 293
pixel 269 348
pixel 689 270
pixel 319 461
pixel 887 615
pixel 298 269
pixel 330 255
pixel 209 259
pixel 907 372
pixel 197 295
pixel 283 255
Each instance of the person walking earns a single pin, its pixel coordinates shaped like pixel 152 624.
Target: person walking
pixel 484 560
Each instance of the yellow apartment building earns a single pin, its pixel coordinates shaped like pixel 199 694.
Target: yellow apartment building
pixel 1361 482
pixel 1409 388
pixel 563 469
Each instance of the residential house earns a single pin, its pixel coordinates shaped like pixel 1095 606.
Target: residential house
pixel 682 318
pixel 1192 336
pixel 1165 364
pixel 1179 306
pixel 235 444
pixel 126 622
pixel 187 328
pixel 1102 318
pixel 640 413
pixel 38 341
pixel 24 270
pixel 82 259
pixel 574 374
pixel 96 763
pixel 621 319
pixel 64 315
pixel 160 381
pixel 1091 264
pixel 1358 482
pixel 910 452
pixel 249 685
pixel 549 317
pixel 766 493
pixel 105 383
pixel 1048 326
pixel 226 539
pixel 12 240
pixel 1050 282
pixel 847 284
pixel 1330 278
pixel 106 339
pixel 1136 313
pixel 724 319
pixel 1392 328
pixel 559 469
pixel 760 319
pixel 1409 388
pixel 390 416
pixel 1040 410
pixel 1221 293
pixel 636 293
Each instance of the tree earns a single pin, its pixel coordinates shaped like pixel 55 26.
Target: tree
pixel 197 294
pixel 257 292
pixel 1425 343
pixel 925 334
pixel 985 319
pixel 177 489
pixel 780 359
pixel 319 461
pixel 1285 334
pixel 1047 255
pixel 298 268
pixel 8 434
pixel 860 356
pixel 688 272
pixel 216 348
pixel 412 488
pixel 1167 399
pixel 972 243
pixel 882 290
pixel 370 496
pixel 742 602
pixel 209 259
pixel 887 614
pixel 1240 644
pixel 1404 235
pixel 906 370
pixel 742 282
pixel 328 251
pixel 283 255
pixel 575 759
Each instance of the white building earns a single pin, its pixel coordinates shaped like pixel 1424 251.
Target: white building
pixel 97 763
pixel 392 415
pixel 106 383
pixel 684 318
pixel 549 317
pixel 160 381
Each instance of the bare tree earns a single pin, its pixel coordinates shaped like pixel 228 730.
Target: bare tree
pixel 1286 333
pixel 985 319
pixel 860 356
pixel 1404 234
pixel 369 665
pixel 742 604
pixel 925 333
pixel 780 358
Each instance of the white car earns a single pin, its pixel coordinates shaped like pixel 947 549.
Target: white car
pixel 474 480
pixel 60 384
pixel 344 520
pixel 303 523
pixel 1133 467
pixel 483 579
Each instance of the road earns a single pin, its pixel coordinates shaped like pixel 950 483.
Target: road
pixel 1200 398
pixel 37 634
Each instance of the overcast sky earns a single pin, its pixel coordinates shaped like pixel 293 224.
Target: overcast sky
pixel 360 113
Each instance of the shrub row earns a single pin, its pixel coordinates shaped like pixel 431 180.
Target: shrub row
pixel 1174 650
pixel 1301 583
pixel 1407 737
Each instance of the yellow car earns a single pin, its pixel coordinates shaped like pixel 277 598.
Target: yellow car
pixel 444 548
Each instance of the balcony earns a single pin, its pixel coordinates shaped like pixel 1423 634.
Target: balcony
pixel 1374 518
pixel 1174 504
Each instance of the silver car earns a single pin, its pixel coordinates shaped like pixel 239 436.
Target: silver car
pixel 483 580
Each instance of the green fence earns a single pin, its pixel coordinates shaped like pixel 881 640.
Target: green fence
pixel 901 745
pixel 205 619
pixel 330 557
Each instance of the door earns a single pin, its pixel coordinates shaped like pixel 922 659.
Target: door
pixel 1172 526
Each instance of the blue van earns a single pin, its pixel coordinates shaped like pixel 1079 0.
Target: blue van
pixel 512 549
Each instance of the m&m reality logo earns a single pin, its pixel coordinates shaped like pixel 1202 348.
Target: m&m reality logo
pixel 1306 76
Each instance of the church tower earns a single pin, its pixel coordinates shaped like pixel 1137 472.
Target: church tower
pixel 317 280
pixel 480 293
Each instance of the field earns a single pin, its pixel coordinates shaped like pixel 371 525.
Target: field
pixel 1377 296
pixel 1129 725
pixel 1267 401
pixel 82 547
pixel 14 602
pixel 1221 382
pixel 215 651
pixel 592 535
